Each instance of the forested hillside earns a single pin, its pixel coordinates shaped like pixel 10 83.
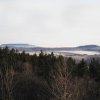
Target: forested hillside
pixel 47 77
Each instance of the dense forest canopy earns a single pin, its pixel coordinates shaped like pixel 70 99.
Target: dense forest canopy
pixel 47 77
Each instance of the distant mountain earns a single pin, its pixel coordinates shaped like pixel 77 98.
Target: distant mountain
pixel 31 48
pixel 89 48
pixel 16 45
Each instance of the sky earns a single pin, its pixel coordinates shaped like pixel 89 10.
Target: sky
pixel 50 23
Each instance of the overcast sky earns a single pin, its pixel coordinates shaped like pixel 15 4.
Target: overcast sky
pixel 50 22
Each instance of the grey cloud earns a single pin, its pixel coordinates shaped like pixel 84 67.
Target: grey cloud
pixel 45 18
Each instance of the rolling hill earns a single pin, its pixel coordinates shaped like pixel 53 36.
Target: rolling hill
pixel 32 48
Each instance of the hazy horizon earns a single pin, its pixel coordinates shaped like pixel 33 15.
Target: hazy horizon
pixel 50 23
pixel 45 46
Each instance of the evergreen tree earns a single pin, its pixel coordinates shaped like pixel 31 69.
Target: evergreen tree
pixel 82 69
pixel 94 69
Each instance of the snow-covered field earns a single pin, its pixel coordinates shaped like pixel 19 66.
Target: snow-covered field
pixel 82 52
pixel 68 53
